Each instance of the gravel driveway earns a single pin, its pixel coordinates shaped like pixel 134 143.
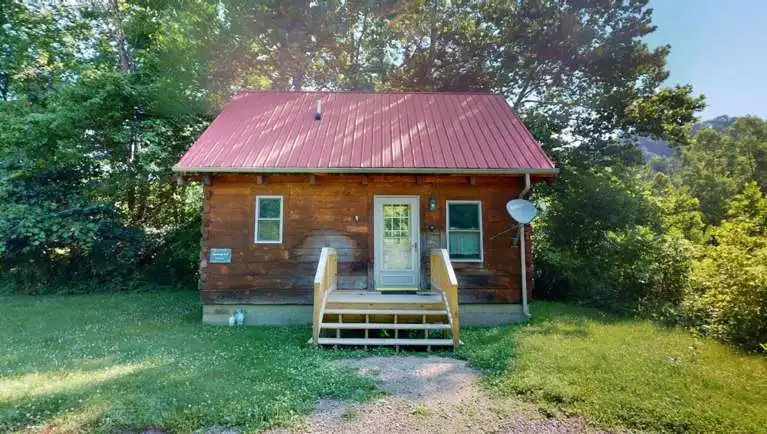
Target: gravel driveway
pixel 429 394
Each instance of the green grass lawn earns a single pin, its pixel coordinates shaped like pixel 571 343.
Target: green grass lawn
pixel 622 372
pixel 111 362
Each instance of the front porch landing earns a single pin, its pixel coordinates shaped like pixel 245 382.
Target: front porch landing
pixel 380 299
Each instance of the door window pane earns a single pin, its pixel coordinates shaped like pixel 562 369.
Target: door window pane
pixel 397 249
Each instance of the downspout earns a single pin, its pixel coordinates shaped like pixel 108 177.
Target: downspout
pixel 522 261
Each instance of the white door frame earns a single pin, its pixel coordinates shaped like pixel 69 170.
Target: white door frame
pixel 396 278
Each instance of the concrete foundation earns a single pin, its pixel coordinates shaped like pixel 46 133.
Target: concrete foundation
pixel 259 314
pixel 293 314
pixel 490 314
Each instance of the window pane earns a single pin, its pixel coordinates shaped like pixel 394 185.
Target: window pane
pixel 464 245
pixel 464 215
pixel 397 252
pixel 269 208
pixel 268 230
pixel 396 210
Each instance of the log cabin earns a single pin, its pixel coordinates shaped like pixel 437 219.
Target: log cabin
pixel 380 218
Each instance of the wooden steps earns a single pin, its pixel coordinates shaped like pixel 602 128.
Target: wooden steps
pixel 391 316
pixel 397 289
pixel 395 342
pixel 355 311
pixel 382 326
pixel 364 318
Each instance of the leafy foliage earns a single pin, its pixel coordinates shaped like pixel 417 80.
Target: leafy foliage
pixel 717 164
pixel 87 193
pixel 728 288
pixel 599 243
pixel 55 236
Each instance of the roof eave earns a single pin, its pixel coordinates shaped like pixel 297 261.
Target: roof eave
pixel 381 170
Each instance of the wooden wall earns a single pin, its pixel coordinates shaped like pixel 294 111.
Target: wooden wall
pixel 337 211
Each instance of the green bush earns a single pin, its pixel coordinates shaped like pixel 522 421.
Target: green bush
pixel 635 270
pixel 727 297
pixel 55 239
pixel 176 258
pixel 598 243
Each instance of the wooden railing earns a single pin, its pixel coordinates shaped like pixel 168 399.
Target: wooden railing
pixel 325 281
pixel 443 280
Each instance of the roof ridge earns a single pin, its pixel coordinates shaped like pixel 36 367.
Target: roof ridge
pixel 378 92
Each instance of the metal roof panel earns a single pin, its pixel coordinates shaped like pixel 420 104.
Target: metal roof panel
pixel 368 131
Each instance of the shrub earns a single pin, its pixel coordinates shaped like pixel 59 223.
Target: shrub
pixel 54 238
pixel 598 243
pixel 176 258
pixel 727 296
pixel 634 270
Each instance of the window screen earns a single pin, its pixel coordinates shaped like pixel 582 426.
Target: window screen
pixel 464 230
pixel 269 219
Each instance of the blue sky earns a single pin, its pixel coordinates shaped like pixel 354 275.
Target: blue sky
pixel 718 46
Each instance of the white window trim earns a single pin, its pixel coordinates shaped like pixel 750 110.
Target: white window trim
pixel 281 219
pixel 481 233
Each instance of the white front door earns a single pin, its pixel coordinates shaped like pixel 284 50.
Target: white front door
pixel 396 231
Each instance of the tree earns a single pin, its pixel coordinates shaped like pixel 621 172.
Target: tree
pixel 38 48
pixel 717 165
pixel 595 241
pixel 87 154
pixel 582 64
pixel 679 211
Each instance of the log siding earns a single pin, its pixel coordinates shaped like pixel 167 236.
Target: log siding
pixel 337 211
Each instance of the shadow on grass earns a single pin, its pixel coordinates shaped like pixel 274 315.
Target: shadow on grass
pixel 63 401
pixel 573 314
pixel 103 363
pixel 247 387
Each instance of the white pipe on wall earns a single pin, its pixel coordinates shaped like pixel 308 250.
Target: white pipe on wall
pixel 522 260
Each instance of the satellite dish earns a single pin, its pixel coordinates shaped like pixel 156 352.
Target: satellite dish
pixel 521 210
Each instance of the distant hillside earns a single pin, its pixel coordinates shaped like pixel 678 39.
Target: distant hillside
pixel 650 147
pixel 719 123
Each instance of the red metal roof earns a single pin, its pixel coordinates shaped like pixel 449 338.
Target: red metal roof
pixel 367 132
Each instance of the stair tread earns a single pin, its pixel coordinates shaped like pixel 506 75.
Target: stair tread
pixel 354 311
pixel 369 297
pixel 397 289
pixel 362 341
pixel 400 326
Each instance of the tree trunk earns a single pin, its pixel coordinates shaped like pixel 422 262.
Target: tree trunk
pixel 4 85
pixel 126 64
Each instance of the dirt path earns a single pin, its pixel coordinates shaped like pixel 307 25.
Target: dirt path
pixel 429 395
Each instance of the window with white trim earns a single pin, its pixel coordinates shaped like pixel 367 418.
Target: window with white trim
pixel 464 230
pixel 269 219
